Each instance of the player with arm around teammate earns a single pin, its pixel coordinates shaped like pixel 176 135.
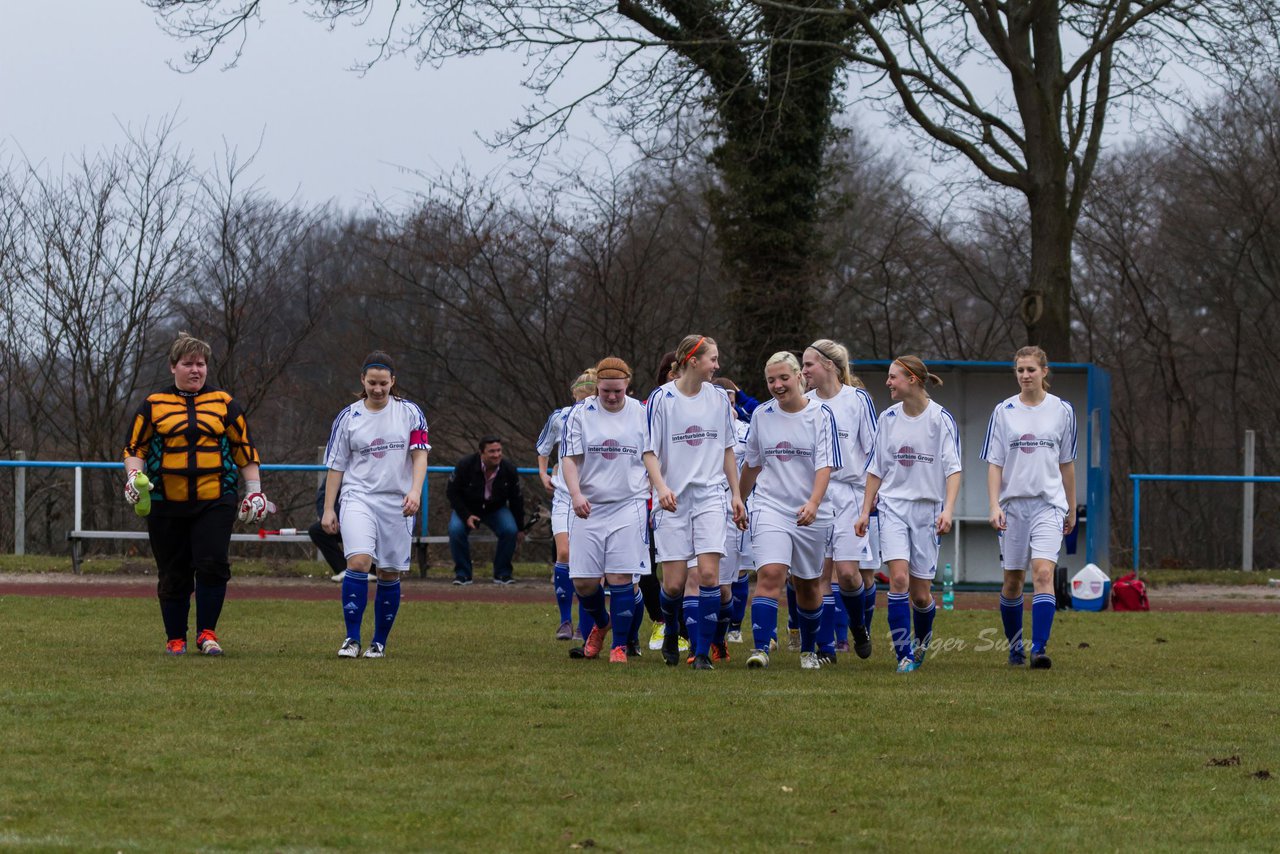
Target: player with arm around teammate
pixel 826 370
pixel 1030 451
pixel 553 481
pixel 690 460
pixel 604 440
pixel 792 451
pixel 377 457
pixel 913 478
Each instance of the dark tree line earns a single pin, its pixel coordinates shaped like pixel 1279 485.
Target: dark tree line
pixel 493 297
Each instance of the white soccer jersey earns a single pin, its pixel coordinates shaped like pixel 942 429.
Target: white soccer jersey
pixel 740 431
pixel 790 447
pixel 549 438
pixel 913 457
pixel 372 448
pixel 855 415
pixel 610 445
pixel 1030 443
pixel 689 436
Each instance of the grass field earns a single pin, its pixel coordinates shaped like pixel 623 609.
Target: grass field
pixel 478 733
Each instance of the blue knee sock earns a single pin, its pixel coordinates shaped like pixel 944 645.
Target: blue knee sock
pixel 670 611
pixel 764 621
pixel 690 610
pixel 564 591
pixel 723 617
pixel 851 600
pixel 924 627
pixel 868 605
pixel 708 619
pixel 594 605
pixel 637 616
pixel 585 621
pixel 1043 606
pixel 842 614
pixel 827 625
pixel 793 612
pixel 385 607
pixel 622 608
pixel 899 611
pixel 740 590
pixel 809 623
pixel 355 597
pixel 1011 616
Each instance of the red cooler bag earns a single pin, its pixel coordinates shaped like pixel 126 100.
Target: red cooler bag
pixel 1128 593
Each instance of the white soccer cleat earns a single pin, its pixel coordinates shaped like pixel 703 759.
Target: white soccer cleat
pixel 375 650
pixel 810 661
pixel 655 639
pixel 734 636
pixel 350 649
pixel 758 659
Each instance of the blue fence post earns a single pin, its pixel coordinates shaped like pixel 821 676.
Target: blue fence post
pixel 1137 510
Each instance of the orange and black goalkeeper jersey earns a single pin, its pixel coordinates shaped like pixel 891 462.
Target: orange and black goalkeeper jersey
pixel 191 444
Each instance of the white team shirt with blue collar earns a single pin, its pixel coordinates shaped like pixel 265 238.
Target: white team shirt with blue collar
pixel 855 415
pixel 371 448
pixel 1030 443
pixel 549 439
pixel 913 457
pixel 689 436
pixel 611 445
pixel 789 448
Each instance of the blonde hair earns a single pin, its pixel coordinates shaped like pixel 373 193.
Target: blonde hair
pixel 786 357
pixel 185 345
pixel 1031 351
pixel 586 379
pixel 838 355
pixel 612 368
pixel 690 346
pixel 915 366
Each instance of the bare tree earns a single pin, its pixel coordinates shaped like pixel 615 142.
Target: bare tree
pixel 760 79
pixel 1024 90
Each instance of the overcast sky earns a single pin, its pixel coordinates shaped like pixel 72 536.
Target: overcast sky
pixel 73 71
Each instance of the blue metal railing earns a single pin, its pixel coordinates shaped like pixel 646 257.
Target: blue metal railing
pixel 80 465
pixel 1137 480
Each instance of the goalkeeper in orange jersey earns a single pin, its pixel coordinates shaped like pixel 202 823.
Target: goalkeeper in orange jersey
pixel 192 443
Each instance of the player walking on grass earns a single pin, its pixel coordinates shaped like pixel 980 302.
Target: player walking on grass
pixel 792 451
pixel 913 478
pixel 1030 450
pixel 192 443
pixel 826 371
pixel 377 457
pixel 690 460
pixel 604 439
pixel 553 481
pixel 738 563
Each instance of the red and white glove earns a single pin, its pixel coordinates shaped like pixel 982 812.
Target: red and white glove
pixel 131 493
pixel 255 506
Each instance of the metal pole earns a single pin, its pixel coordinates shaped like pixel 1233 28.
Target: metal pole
pixel 79 497
pixel 320 479
pixel 20 505
pixel 1137 527
pixel 1246 560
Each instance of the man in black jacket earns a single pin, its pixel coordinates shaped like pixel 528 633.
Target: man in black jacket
pixel 485 489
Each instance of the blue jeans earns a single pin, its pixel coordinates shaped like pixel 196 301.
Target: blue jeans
pixel 502 523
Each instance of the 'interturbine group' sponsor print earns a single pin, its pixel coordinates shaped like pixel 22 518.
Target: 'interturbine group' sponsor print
pixel 695 435
pixel 785 452
pixel 379 448
pixel 1027 443
pixel 909 456
pixel 611 449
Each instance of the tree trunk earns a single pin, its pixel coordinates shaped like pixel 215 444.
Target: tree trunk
pixel 1046 304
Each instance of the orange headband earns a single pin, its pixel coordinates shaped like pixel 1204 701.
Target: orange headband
pixel 913 373
pixel 701 338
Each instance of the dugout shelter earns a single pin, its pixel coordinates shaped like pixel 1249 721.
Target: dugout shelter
pixel 970 392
